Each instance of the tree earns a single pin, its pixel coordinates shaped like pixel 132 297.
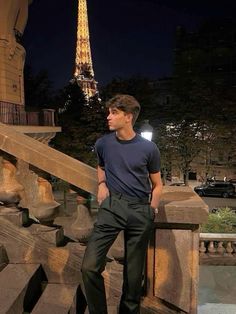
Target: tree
pixel 38 90
pixel 165 144
pixel 180 143
pixel 82 124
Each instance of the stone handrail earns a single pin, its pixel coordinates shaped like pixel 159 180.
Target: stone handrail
pixel 48 159
pixel 217 248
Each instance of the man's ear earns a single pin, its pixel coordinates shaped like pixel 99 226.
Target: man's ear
pixel 129 117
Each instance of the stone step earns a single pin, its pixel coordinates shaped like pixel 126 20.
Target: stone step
pixel 57 299
pixel 60 299
pixel 14 215
pixel 110 309
pixel 26 245
pixel 20 287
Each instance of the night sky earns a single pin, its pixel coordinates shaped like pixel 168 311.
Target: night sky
pixel 128 37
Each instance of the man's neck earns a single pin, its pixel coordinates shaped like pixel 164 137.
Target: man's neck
pixel 125 135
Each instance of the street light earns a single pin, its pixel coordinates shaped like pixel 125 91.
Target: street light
pixel 146 130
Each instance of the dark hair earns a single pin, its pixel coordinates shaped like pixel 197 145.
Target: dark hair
pixel 125 103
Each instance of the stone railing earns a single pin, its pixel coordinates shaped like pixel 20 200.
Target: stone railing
pixel 16 115
pixel 217 249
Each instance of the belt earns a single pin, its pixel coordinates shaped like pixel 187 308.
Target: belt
pixel 130 198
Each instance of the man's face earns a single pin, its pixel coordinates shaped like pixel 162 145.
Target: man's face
pixel 118 119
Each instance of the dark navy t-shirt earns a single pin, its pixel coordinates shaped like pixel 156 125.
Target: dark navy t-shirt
pixel 127 164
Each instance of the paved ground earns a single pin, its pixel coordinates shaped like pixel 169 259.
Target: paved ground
pixel 215 202
pixel 217 309
pixel 217 285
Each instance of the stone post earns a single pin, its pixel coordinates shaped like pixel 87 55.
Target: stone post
pixel 173 255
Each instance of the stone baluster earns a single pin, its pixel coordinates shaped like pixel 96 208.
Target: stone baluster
pixel 234 246
pixel 11 191
pixel 202 248
pixel 211 248
pixel 83 225
pixel 38 197
pixel 220 248
pixel 229 249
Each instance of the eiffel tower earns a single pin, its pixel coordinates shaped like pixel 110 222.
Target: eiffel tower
pixel 84 74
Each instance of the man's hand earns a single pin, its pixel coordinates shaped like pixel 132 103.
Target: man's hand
pixel 103 192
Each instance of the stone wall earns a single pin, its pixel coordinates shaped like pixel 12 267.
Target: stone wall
pixel 13 19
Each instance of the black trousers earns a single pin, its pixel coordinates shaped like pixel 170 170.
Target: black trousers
pixel 116 213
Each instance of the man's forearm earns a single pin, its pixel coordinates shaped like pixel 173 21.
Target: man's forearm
pixel 156 195
pixel 156 188
pixel 101 175
pixel 103 191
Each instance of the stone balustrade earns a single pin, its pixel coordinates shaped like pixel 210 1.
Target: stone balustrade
pixel 217 248
pixel 15 114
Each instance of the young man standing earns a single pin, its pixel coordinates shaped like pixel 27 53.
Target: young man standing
pixel 129 189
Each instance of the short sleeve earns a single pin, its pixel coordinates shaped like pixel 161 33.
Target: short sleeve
pixel 99 152
pixel 154 162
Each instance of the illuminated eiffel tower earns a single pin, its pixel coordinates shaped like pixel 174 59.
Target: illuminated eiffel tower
pixel 84 74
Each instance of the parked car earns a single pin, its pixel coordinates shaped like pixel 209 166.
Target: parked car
pixel 223 189
pixel 233 181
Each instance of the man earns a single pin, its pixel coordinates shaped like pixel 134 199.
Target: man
pixel 126 165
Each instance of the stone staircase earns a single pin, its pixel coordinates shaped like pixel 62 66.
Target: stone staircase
pixel 24 289
pixel 37 275
pixel 39 266
pixel 40 269
pixel 20 287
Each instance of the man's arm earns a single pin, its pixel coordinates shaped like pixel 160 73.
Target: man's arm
pixel 103 191
pixel 156 189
